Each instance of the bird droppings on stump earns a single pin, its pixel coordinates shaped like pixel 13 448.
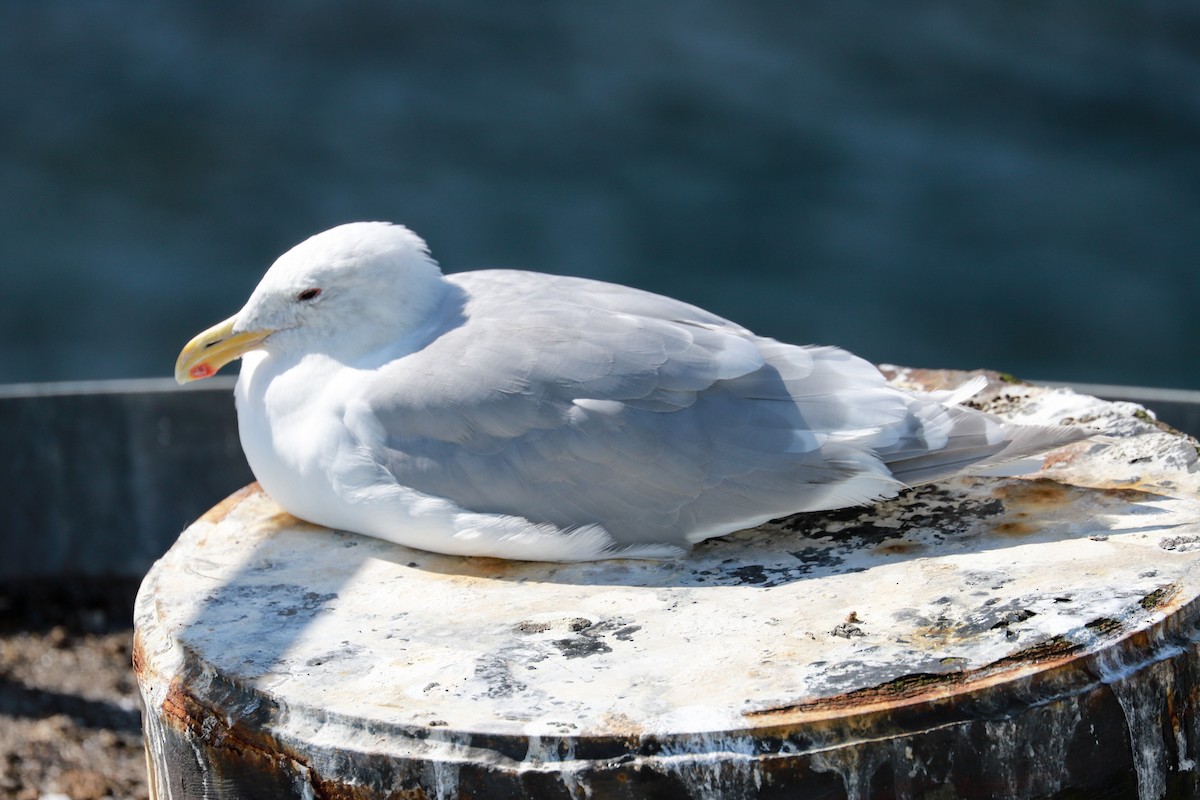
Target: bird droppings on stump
pixel 1029 636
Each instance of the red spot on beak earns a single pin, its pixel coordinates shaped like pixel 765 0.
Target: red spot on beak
pixel 201 371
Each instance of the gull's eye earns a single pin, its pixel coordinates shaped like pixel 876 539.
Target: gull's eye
pixel 308 294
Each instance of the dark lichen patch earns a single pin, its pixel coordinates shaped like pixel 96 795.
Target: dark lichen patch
pixel 1104 626
pixel 816 523
pixel 588 638
pixel 310 602
pixel 935 512
pixel 1145 416
pixel 283 599
pixel 1051 649
pixel 993 580
pixel 497 677
pixel 587 627
pixel 1159 597
pixel 992 615
pixel 1012 618
pixel 581 647
pixel 906 613
pixel 889 691
pixel 346 651
pixel 1002 402
pixel 752 574
pixel 821 557
pixel 765 576
pixel 905 684
pixel 626 634
pixel 940 629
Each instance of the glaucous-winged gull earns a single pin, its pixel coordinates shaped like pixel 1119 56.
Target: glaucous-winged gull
pixel 529 416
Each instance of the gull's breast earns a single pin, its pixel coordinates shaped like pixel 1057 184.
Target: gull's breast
pixel 292 431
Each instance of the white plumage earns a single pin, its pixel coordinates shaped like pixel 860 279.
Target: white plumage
pixel 529 416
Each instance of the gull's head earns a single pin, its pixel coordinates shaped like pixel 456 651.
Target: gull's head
pixel 359 285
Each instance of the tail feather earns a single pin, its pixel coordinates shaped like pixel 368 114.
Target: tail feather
pixel 974 442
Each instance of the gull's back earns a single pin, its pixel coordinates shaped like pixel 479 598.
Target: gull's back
pixel 574 402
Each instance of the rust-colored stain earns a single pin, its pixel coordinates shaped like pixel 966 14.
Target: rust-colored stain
pixel 139 657
pixel 485 567
pixel 256 751
pixel 1065 456
pixel 282 519
pixel 622 724
pixel 1126 492
pixel 222 509
pixel 1135 493
pixel 1015 528
pixel 1040 496
pixel 1038 493
pixel 897 547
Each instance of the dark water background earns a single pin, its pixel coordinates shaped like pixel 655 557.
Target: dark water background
pixel 1011 185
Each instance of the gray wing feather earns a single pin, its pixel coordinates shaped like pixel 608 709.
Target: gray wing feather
pixel 574 402
pixel 592 403
pixel 968 439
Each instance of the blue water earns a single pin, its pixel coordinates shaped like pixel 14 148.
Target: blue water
pixel 1015 186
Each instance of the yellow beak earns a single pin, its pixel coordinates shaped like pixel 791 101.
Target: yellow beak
pixel 213 349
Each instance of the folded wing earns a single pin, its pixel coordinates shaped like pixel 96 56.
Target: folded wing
pixel 573 402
